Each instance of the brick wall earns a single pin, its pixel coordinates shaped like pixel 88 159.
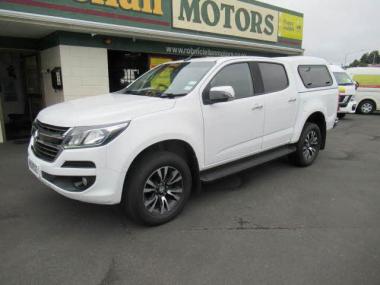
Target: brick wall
pixel 84 71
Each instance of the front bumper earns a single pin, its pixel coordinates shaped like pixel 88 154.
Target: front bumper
pixel 349 108
pixel 108 185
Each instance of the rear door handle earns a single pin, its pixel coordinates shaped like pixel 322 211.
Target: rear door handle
pixel 257 107
pixel 292 100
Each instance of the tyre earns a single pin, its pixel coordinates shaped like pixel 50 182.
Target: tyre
pixel 366 107
pixel 308 146
pixel 341 115
pixel 157 188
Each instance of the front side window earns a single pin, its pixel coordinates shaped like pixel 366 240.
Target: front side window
pixel 238 76
pixel 274 77
pixel 343 78
pixel 314 76
pixel 169 80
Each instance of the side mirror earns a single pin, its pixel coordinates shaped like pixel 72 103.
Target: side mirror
pixel 356 85
pixel 221 94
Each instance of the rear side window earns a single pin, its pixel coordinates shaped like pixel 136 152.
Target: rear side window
pixel 238 76
pixel 274 77
pixel 314 76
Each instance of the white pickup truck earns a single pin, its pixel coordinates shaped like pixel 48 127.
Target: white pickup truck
pixel 149 145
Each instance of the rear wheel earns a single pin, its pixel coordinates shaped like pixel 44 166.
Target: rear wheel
pixel 366 107
pixel 308 146
pixel 157 188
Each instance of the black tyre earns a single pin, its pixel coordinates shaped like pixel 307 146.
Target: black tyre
pixel 308 146
pixel 157 188
pixel 366 107
pixel 341 115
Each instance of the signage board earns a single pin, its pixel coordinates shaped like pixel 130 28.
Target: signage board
pixel 243 20
pixel 226 17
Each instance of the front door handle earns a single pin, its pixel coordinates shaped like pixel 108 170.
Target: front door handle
pixel 257 107
pixel 292 100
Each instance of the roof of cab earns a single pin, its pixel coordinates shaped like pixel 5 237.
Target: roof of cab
pixel 364 70
pixel 336 68
pixel 303 60
pixel 300 60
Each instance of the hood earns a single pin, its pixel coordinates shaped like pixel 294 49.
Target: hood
pixel 345 90
pixel 104 109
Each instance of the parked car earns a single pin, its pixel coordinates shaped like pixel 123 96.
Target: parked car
pixel 347 91
pixel 368 93
pixel 149 145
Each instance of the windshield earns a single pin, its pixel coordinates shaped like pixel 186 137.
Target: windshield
pixel 169 80
pixel 343 78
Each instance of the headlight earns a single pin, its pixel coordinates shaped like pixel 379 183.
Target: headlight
pixel 93 136
pixel 353 98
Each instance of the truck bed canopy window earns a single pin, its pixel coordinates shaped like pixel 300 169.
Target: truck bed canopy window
pixel 315 76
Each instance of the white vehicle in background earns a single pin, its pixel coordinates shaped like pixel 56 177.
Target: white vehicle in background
pixel 347 91
pixel 149 145
pixel 368 93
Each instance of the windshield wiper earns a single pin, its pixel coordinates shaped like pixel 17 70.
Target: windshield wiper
pixel 133 92
pixel 172 95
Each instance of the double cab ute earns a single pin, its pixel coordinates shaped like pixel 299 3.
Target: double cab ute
pixel 149 145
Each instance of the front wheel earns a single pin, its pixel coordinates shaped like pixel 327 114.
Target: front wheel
pixel 341 115
pixel 157 188
pixel 308 146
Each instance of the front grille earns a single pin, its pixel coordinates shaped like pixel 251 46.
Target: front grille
pixel 344 100
pixel 47 140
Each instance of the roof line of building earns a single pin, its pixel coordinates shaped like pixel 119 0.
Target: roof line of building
pixel 143 33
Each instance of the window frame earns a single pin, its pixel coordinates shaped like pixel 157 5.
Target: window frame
pixel 315 65
pixel 207 88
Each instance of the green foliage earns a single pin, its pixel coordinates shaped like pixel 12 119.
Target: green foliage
pixel 366 59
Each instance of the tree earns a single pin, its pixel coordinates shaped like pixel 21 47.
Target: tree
pixel 374 58
pixel 366 59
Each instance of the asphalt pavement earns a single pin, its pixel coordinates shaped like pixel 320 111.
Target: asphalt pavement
pixel 274 224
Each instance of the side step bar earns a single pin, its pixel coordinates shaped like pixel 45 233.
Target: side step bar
pixel 245 163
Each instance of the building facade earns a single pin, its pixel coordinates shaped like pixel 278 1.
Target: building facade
pixel 53 51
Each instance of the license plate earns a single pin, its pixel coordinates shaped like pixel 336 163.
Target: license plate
pixel 34 168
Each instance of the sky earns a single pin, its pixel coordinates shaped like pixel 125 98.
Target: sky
pixel 336 29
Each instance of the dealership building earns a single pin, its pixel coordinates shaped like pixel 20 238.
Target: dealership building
pixel 54 51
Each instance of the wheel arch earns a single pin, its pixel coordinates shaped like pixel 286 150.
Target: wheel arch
pixel 319 119
pixel 368 99
pixel 177 146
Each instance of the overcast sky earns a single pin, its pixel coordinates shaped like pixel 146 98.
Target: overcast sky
pixel 335 28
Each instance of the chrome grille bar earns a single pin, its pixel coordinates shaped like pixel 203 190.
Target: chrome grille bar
pixel 47 144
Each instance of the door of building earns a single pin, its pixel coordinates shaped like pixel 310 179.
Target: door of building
pixel 20 93
pixel 124 67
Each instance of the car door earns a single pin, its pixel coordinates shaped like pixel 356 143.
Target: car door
pixel 280 104
pixel 233 129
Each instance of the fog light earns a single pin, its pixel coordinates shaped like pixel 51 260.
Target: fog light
pixel 82 183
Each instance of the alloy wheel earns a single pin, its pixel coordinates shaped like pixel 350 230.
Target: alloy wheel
pixel 163 190
pixel 311 145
